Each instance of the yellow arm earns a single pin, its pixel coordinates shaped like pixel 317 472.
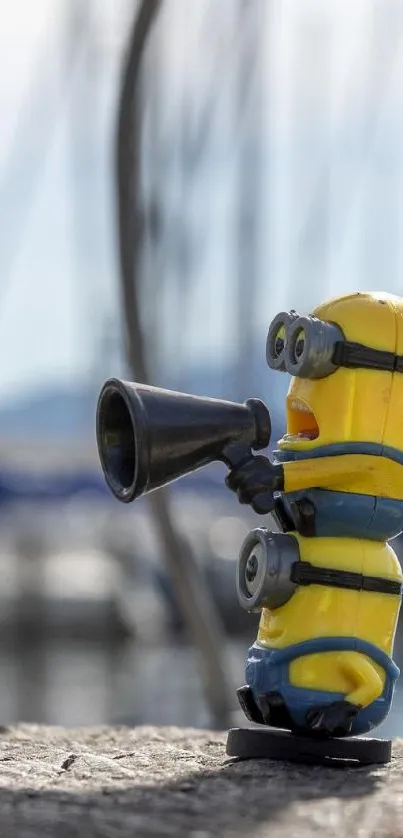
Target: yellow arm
pixel 364 474
pixel 367 683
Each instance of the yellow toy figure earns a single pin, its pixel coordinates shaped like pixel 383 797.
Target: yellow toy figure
pixel 328 584
pixel 322 661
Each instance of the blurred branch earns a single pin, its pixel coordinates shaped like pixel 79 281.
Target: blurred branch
pixel 131 218
pixel 202 621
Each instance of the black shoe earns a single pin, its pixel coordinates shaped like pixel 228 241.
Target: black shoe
pixel 249 706
pixel 274 710
pixel 333 720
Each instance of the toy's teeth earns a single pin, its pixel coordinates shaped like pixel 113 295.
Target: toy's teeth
pixel 302 424
pixel 296 404
pixel 300 435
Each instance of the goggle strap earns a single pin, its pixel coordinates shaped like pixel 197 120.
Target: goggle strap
pixel 304 573
pixel 355 355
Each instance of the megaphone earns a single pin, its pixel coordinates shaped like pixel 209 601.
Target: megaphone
pixel 147 436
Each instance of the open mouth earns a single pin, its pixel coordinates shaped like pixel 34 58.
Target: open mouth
pixel 301 422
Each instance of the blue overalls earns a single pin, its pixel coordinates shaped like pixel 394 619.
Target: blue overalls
pixel 336 514
pixel 267 671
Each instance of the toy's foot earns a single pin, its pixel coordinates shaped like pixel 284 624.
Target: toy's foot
pixel 335 719
pixel 249 706
pixel 270 709
pixel 274 710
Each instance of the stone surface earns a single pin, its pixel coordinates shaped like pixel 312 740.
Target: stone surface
pixel 116 783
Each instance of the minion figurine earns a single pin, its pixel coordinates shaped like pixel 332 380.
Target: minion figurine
pixel 328 585
pixel 326 582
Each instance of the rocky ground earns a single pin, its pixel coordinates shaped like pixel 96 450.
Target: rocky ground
pixel 148 781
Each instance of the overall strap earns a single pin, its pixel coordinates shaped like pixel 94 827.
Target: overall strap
pixel 336 448
pixel 333 644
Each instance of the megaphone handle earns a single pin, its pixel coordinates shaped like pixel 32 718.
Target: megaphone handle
pixel 233 456
pixel 236 453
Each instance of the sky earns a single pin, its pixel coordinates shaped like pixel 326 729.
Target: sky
pixel 58 276
pixel 57 266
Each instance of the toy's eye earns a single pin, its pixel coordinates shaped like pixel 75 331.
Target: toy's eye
pixel 299 344
pixel 279 341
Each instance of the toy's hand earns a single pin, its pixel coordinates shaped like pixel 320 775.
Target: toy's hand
pixel 255 480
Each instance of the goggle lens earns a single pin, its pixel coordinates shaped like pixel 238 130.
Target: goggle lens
pixel 311 348
pixel 302 346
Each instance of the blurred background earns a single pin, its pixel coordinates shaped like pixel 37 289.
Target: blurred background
pixel 172 174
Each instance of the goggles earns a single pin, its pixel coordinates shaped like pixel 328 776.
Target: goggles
pixel 311 348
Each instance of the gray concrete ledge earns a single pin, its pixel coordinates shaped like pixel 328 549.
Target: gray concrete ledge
pixel 121 783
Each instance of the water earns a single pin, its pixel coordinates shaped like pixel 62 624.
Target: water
pixel 78 682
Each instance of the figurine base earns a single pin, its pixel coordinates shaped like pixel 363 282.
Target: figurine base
pixel 270 743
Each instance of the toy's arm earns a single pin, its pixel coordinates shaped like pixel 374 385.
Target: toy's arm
pixel 320 471
pixel 363 675
pixel 256 478
pixel 361 473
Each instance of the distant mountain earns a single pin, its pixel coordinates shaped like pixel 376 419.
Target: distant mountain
pixel 70 413
pixel 66 413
